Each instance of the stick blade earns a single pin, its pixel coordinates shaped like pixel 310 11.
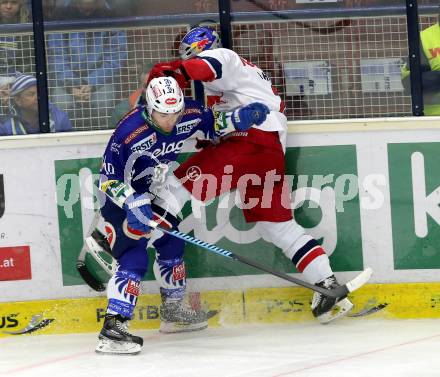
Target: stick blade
pixel 91 281
pixel 359 280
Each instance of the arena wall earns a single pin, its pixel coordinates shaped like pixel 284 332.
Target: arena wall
pixel 368 189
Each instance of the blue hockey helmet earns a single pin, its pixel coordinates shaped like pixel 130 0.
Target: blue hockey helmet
pixel 197 40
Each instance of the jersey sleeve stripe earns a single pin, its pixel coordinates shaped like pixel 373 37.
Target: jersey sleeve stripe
pixel 215 66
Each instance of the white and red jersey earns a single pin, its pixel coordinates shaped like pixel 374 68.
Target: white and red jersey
pixel 231 81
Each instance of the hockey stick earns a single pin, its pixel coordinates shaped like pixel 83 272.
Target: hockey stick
pixel 341 291
pixel 94 283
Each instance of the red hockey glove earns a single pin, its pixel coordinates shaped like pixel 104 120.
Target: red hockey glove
pixel 169 69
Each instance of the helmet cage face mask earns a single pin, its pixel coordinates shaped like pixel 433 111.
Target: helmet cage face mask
pixel 197 40
pixel 164 95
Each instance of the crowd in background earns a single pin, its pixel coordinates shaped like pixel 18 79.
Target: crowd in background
pixel 85 68
pixel 66 9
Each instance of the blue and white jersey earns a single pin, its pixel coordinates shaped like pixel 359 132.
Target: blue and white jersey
pixel 137 146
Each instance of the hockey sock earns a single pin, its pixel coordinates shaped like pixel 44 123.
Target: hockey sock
pixel 171 277
pixel 303 250
pixel 310 259
pixel 122 291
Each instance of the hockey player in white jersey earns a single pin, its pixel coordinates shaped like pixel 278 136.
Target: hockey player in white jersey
pixel 229 82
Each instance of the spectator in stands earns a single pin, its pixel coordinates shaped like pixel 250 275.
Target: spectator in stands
pixel 123 8
pixel 15 50
pixel 430 65
pixel 118 8
pixel 123 107
pixel 14 12
pixel 86 66
pixel 49 9
pixel 83 9
pixel 5 82
pixel 24 103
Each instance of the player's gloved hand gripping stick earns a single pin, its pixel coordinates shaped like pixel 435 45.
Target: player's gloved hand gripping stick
pixel 342 290
pixel 138 212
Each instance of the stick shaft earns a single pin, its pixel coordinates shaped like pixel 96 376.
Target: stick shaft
pixel 229 254
pixel 226 253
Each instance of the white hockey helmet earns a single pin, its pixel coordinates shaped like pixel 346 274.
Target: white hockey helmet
pixel 164 95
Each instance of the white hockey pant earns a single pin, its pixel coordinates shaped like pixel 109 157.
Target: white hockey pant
pixel 290 238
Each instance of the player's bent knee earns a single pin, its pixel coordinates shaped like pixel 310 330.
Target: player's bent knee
pixel 169 247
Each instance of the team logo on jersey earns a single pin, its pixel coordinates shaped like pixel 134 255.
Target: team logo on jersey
pixel 133 287
pixel 179 272
pixel 144 144
pixel 168 148
pixel 115 147
pixel 193 173
pixel 110 233
pixel 186 127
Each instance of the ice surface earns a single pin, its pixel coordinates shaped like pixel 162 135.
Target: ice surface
pixel 347 348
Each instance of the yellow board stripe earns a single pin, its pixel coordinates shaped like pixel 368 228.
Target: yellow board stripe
pixel 256 305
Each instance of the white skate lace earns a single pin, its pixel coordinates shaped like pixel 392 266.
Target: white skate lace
pixel 181 309
pixel 328 283
pixel 318 298
pixel 123 327
pixel 186 309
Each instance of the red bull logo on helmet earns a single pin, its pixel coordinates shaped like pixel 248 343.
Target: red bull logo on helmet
pixel 199 46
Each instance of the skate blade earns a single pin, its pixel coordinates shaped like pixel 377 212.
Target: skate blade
pixel 112 347
pixel 175 327
pixel 341 308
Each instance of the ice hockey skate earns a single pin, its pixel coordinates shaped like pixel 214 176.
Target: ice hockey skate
pixel 115 338
pixel 178 316
pixel 327 309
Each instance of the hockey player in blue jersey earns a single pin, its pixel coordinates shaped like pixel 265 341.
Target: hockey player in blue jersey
pixel 135 163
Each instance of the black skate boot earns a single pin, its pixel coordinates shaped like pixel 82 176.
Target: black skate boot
pixel 114 337
pixel 178 316
pixel 327 309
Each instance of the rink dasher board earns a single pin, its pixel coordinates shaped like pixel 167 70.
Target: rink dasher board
pixel 252 306
pixel 383 237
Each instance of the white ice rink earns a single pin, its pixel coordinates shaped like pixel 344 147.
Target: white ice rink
pixel 348 348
